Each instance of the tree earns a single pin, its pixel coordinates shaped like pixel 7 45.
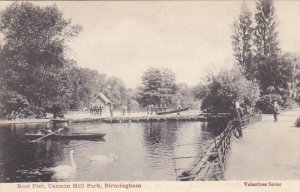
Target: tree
pixel 226 88
pixel 34 63
pixel 185 96
pixel 291 64
pixel 242 42
pixel 115 90
pixel 265 34
pixel 80 88
pixel 158 87
pixel 271 72
pixel 85 84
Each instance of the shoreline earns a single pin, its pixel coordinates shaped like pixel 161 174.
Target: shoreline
pixel 134 118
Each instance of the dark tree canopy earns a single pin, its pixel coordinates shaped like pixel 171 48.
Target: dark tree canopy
pixel 265 34
pixel 276 73
pixel 242 42
pixel 226 88
pixel 33 52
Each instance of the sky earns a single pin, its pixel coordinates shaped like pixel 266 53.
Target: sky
pixel 192 38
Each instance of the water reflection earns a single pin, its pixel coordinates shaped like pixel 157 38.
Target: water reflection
pixel 216 125
pixel 145 151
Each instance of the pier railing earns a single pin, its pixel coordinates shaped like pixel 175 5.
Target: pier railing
pixel 211 163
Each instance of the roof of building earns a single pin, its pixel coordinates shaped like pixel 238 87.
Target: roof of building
pixel 103 98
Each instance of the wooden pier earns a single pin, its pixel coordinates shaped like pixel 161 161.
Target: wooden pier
pixel 152 118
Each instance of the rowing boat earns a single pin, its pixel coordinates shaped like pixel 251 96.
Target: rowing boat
pixel 70 136
pixel 173 111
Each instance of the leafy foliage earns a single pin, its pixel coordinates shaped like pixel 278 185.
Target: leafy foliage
pixel 33 61
pixel 277 75
pixel 158 87
pixel 87 83
pixel 242 42
pixel 226 88
pixel 185 96
pixel 266 35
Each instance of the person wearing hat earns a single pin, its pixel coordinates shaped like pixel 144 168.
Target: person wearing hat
pixel 275 110
pixel 237 115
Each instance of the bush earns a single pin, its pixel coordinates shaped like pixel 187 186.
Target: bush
pixel 265 104
pixel 12 101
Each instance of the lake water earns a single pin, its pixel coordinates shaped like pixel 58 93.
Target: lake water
pixel 145 152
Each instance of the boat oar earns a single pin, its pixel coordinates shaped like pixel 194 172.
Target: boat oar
pixel 44 136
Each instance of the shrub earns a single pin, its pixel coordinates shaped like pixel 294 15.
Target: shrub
pixel 265 104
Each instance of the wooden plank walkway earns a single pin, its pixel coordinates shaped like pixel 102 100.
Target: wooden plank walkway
pixel 268 151
pixel 152 118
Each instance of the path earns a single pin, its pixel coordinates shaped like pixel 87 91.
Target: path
pixel 268 151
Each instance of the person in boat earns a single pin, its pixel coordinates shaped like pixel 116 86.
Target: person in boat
pixel 45 130
pixel 237 115
pixel 60 130
pixel 40 131
pixel 275 109
pixel 49 128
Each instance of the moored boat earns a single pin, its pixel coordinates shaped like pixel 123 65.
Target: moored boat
pixel 173 111
pixel 70 136
pixel 59 121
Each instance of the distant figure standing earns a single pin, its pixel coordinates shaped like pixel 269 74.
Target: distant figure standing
pixel 275 110
pixel 123 110
pixel 151 109
pixel 101 108
pixel 96 110
pixel 164 107
pixel 156 108
pixel 91 110
pixel 128 109
pixel 178 108
pixel 237 114
pixel 111 109
pixel 148 109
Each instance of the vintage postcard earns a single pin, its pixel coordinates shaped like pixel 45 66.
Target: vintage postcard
pixel 149 96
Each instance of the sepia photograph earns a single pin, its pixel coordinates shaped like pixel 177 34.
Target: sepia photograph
pixel 117 95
